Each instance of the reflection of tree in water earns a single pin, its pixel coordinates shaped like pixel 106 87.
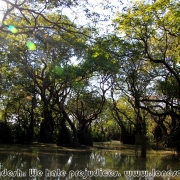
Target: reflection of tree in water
pixel 45 158
pixel 40 160
pixel 20 159
pixel 97 160
pixel 64 160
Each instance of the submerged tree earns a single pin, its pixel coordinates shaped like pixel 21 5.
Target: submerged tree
pixel 41 46
pixel 153 28
pixel 40 66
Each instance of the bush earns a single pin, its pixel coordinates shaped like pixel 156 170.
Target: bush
pixel 98 137
pixel 12 133
pixel 5 132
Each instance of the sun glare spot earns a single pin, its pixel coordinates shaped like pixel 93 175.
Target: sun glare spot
pixel 12 29
pixel 31 46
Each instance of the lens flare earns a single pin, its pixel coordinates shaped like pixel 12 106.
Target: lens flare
pixel 12 29
pixel 31 46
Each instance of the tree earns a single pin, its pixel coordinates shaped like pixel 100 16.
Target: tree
pixel 123 114
pixel 39 47
pixel 43 71
pixel 85 107
pixel 153 28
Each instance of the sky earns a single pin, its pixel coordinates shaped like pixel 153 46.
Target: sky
pixel 97 7
pixel 75 12
pixel 2 6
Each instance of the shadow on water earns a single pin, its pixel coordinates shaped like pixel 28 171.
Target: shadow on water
pixel 47 162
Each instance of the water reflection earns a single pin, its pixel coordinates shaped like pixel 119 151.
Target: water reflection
pixel 47 163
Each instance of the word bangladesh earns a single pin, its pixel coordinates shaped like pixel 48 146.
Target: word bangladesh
pixel 10 173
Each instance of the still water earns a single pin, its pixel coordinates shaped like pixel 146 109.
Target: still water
pixel 48 162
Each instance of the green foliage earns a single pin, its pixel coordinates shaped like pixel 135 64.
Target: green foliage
pixel 152 72
pixel 99 137
pixel 168 87
pixel 58 71
pixel 37 68
pixel 100 56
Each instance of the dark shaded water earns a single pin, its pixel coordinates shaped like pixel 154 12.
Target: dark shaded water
pixel 47 162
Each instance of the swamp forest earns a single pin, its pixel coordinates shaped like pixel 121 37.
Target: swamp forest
pixel 75 74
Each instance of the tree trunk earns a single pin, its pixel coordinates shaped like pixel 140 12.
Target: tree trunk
pixel 143 140
pixel 47 127
pixel 84 135
pixel 64 137
pixel 143 146
pixel 75 139
pixel 30 130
